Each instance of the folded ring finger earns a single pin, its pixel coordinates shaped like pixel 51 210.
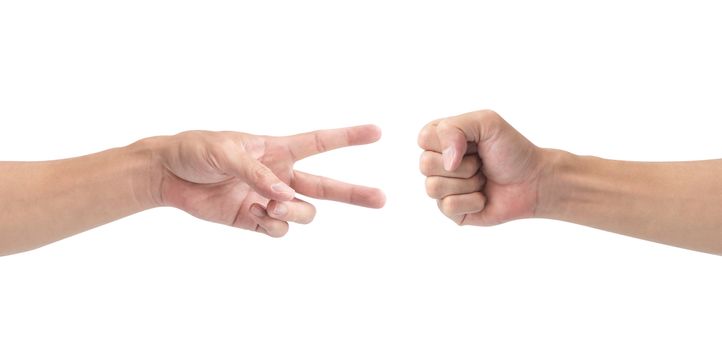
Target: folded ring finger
pixel 431 164
pixel 296 210
pixel 438 187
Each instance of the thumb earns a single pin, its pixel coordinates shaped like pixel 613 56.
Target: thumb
pixel 262 180
pixel 454 133
pixel 453 144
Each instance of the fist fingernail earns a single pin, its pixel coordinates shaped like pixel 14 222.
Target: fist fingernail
pixel 448 157
pixel 280 210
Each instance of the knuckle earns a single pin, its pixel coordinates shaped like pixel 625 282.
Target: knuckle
pixel 426 163
pixel 488 114
pixel 433 187
pixel 223 144
pixel 444 205
pixel 452 205
pixel 443 124
pixel 193 134
pixel 319 142
pixel 448 205
pixel 321 184
pixel 220 149
pixel 424 136
pixel 490 119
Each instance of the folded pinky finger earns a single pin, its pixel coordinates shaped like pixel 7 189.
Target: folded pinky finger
pixel 457 207
pixel 265 223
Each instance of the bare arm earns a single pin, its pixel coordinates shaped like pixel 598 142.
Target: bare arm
pixel 231 178
pixel 676 203
pixel 484 172
pixel 41 202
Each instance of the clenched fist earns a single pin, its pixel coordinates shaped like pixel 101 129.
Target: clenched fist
pixel 480 170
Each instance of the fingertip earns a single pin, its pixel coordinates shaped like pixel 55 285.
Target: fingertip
pixel 274 235
pixel 377 129
pixel 282 230
pixel 377 199
pixel 374 132
pixel 450 158
pixel 453 145
pixel 278 234
pixel 382 200
pixel 310 219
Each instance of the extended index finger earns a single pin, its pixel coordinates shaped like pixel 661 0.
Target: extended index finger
pixel 315 142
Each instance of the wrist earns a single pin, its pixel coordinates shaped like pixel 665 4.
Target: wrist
pixel 556 182
pixel 148 177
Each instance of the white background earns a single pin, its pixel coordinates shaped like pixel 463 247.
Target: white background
pixel 620 79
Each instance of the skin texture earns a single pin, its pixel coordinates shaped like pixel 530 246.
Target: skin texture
pixel 483 172
pixel 232 178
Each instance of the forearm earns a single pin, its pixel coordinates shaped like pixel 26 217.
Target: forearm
pixel 676 203
pixel 42 202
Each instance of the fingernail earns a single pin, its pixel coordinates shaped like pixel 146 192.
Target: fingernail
pixel 257 211
pixel 280 209
pixel 448 157
pixel 282 188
